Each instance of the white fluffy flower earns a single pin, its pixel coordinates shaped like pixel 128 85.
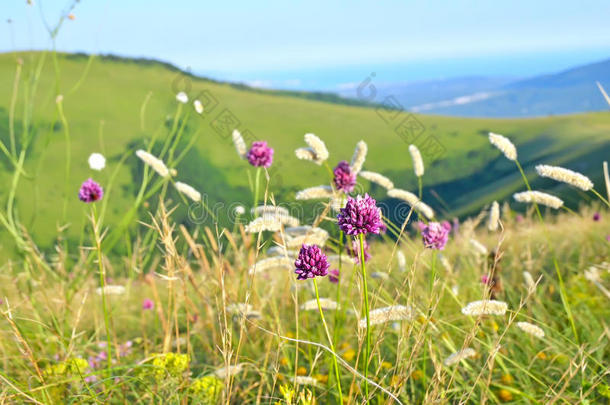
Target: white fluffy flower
pixel 563 175
pixel 272 263
pixel 97 161
pixel 494 216
pixel 240 145
pixel 459 356
pixel 198 106
pixel 315 193
pixel 111 290
pixel 504 144
pixel 228 371
pixel 418 162
pixel 485 307
pixel 359 157
pixel 326 303
pixel 240 210
pixel 479 247
pixel 265 223
pixel 155 163
pixel 538 197
pixel 377 178
pixel 531 329
pixel 388 314
pixel 188 191
pixel 182 97
pixel 318 147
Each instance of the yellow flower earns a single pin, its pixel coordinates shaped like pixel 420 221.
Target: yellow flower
pixel 344 346
pixel 322 378
pixel 541 356
pixel 395 381
pixel 417 374
pixel 495 326
pixel 284 361
pixel 290 335
pixel 507 379
pixel 301 371
pixel 505 395
pixel 349 354
pixel 387 365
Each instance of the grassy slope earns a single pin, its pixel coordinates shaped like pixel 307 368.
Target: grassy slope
pixel 111 95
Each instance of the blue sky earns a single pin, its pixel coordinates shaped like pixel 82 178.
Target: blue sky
pixel 296 41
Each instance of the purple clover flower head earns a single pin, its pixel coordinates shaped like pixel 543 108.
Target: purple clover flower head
pixel 148 304
pixel 485 279
pixel 90 191
pixel 354 251
pixel 311 263
pixel 519 218
pixel 260 155
pixel 333 276
pixel 435 235
pixel 344 179
pixel 597 216
pixel 360 216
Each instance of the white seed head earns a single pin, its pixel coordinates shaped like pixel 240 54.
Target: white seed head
pixel 316 236
pixel 413 201
pixel 318 147
pixel 418 162
pixel 338 202
pixel 378 179
pixel 538 197
pixel 315 193
pixel 567 176
pixel 229 371
pixel 326 303
pixel 459 356
pixel 485 307
pixel 240 145
pixel 494 216
pixel 529 280
pixel 111 290
pixel 284 219
pixel 272 263
pixel 198 106
pixel 306 154
pixel 188 191
pixel 388 314
pixel 479 247
pixel 240 210
pixel 304 380
pixel 97 161
pixel 269 209
pixel 402 261
pixel 155 163
pixel 531 329
pixel 265 223
pixel 182 97
pixel 504 144
pixel 359 157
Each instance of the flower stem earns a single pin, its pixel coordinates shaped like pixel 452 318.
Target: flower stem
pixel 98 246
pixel 368 318
pixel 420 186
pixel 257 182
pixel 600 197
pixel 330 340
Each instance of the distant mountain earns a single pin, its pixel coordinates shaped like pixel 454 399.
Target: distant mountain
pixel 567 92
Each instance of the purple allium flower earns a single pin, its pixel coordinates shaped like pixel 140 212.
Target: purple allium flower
pixel 383 228
pixel 333 276
pixel 435 235
pixel 148 304
pixel 311 263
pixel 90 191
pixel 484 279
pixel 519 218
pixel 354 251
pixel 344 179
pixel 597 216
pixel 260 155
pixel 360 216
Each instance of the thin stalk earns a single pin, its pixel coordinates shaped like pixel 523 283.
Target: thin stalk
pixel 257 182
pixel 368 318
pixel 98 246
pixel 600 197
pixel 330 341
pixel 562 288
pixel 420 186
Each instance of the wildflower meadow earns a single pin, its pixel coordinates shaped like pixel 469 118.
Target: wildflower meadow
pixel 350 289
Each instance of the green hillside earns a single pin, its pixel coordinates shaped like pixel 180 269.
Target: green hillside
pixel 115 106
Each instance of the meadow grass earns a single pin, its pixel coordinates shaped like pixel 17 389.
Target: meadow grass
pixel 150 295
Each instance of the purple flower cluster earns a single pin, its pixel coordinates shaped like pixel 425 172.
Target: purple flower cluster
pixel 148 304
pixel 360 216
pixel 354 251
pixel 90 191
pixel 333 276
pixel 260 155
pixel 597 216
pixel 344 179
pixel 311 263
pixel 435 235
